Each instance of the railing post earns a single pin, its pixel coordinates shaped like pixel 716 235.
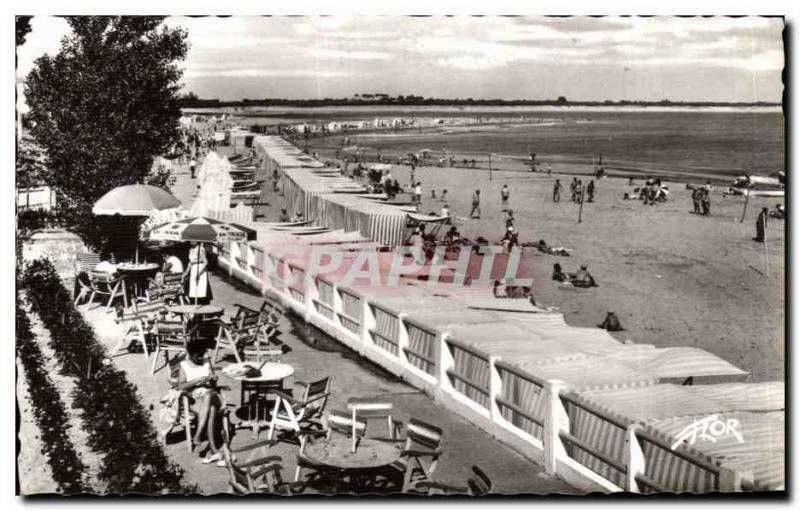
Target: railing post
pixel 337 305
pixel 634 459
pixel 310 294
pixel 402 339
pixel 730 480
pixel 232 256
pixel 445 362
pixel 367 323
pixel 555 421
pixel 495 389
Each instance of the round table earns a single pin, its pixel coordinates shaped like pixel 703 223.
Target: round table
pixel 255 389
pixel 136 274
pixel 335 453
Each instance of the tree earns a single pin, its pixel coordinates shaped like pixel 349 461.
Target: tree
pixel 23 26
pixel 103 107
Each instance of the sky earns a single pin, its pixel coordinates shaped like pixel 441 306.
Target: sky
pixel 581 58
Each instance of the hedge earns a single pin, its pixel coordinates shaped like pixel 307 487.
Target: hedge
pixel 48 411
pixel 118 426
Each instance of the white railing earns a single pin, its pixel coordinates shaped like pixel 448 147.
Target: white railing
pixel 539 418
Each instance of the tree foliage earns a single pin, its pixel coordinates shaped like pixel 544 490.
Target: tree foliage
pixel 104 106
pixel 23 28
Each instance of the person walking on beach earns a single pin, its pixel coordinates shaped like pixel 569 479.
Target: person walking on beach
pixel 761 225
pixel 504 195
pixel 476 205
pixel 192 166
pixel 696 199
pixel 590 191
pixel 557 191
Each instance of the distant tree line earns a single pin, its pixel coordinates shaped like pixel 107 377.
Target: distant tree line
pixel 191 100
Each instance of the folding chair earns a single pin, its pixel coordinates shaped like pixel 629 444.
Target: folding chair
pixel 84 265
pixel 258 473
pixel 171 336
pixel 366 408
pixel 294 415
pixel 141 319
pixel 248 334
pixel 171 290
pixel 105 284
pixel 477 485
pixel 420 455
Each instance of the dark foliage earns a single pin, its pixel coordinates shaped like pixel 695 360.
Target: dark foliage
pixel 118 425
pixel 23 28
pixel 103 107
pixel 48 411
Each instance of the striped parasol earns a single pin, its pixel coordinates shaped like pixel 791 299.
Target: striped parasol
pixel 202 230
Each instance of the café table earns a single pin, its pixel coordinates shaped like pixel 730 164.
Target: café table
pixel 335 454
pixel 134 276
pixel 255 389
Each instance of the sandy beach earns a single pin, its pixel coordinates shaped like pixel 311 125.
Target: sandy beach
pixel 674 278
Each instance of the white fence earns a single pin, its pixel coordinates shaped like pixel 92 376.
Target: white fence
pixel 585 446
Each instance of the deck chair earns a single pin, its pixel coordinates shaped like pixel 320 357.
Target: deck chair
pixel 84 265
pixel 188 420
pixel 296 415
pixel 139 320
pixel 366 409
pixel 420 455
pixel 477 485
pixel 105 284
pixel 338 423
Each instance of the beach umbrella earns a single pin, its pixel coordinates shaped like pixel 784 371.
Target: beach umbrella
pixel 135 200
pixel 202 230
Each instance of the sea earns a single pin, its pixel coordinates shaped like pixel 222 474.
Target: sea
pixel 703 141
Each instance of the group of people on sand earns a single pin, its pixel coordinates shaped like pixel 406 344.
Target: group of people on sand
pixel 581 278
pixel 701 199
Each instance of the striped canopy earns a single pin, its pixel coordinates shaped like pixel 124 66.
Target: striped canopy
pixel 201 229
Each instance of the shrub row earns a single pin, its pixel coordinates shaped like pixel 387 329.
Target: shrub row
pixel 48 411
pixel 118 426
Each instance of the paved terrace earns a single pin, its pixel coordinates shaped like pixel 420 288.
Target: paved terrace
pixel 315 355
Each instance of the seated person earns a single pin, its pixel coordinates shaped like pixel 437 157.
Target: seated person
pixel 558 274
pixel 196 378
pixel 284 216
pixel 298 217
pixel 583 278
pixel 611 323
pixel 778 212
pixel 452 236
pixel 172 264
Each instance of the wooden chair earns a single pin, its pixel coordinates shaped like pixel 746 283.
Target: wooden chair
pixel 171 290
pixel 366 409
pixel 170 336
pixel 84 265
pixel 140 320
pixel 105 284
pixel 295 415
pixel 258 473
pixel 477 485
pixel 421 453
pixel 248 334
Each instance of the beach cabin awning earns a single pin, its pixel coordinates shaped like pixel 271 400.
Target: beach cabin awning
pixel 673 362
pixel 427 218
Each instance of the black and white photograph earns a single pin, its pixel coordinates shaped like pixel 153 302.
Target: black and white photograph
pixel 440 256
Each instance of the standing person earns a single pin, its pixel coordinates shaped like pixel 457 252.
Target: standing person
pixel 557 191
pixel 504 195
pixel 418 192
pixel 696 199
pixel 761 225
pixel 579 191
pixel 443 198
pixel 284 216
pixel 192 166
pixel 706 202
pixel 446 214
pixel 549 169
pixel 573 188
pixel 590 191
pixel 199 290
pixel 476 205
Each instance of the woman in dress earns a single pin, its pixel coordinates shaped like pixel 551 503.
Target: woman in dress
pixel 198 287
